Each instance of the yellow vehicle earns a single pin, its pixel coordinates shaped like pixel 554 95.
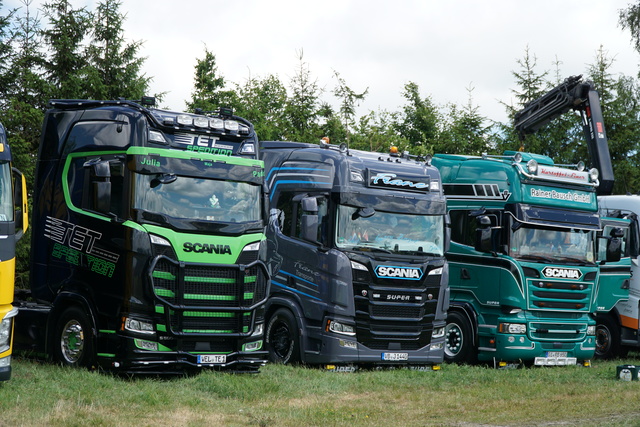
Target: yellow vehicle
pixel 13 224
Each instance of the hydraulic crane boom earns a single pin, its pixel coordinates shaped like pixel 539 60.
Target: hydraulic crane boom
pixel 579 95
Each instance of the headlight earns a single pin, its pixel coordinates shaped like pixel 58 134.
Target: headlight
pixel 532 167
pixel 5 333
pixel 358 266
pixel 435 271
pixel 340 328
pixel 591 330
pixel 155 136
pixel 594 174
pixel 139 326
pixel 258 330
pixel 157 240
pixel 512 328
pixel 252 247
pixel 437 333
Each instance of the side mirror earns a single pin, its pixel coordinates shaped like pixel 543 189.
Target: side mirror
pixel 21 206
pixel 100 184
pixel 309 219
pixel 614 245
pixel 484 234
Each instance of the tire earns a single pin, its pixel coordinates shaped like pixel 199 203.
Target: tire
pixel 73 343
pixel 608 344
pixel 458 339
pixel 282 338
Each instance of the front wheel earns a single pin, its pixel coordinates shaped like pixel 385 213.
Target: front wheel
pixel 458 339
pixel 73 341
pixel 608 344
pixel 282 338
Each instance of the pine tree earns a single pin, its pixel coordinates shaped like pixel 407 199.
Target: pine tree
pixel 114 69
pixel 67 30
pixel 302 107
pixel 209 93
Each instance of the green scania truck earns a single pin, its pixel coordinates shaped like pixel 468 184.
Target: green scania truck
pixel 147 246
pixel 524 275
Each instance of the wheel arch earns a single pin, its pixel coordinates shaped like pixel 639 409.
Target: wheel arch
pixel 63 301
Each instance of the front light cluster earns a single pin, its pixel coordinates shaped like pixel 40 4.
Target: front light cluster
pixel 6 326
pixel 437 333
pixel 340 328
pixel 139 326
pixel 512 328
pixel 591 330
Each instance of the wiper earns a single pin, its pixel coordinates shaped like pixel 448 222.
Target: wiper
pixel 371 249
pixel 536 257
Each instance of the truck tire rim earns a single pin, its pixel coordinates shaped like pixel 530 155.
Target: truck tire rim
pixel 453 339
pixel 72 341
pixel 280 340
pixel 603 340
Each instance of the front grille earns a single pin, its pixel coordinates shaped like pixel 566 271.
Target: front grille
pixel 559 295
pixel 396 311
pixel 207 299
pixel 402 324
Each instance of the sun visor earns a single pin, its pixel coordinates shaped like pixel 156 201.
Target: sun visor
pixel 557 217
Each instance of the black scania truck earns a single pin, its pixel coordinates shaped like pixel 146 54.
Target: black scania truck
pixel 147 233
pixel 356 245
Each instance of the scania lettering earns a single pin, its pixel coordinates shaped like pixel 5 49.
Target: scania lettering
pixel 13 224
pixel 148 240
pixel 523 272
pixel 356 246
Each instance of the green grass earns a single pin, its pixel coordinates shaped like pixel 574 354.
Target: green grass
pixel 45 394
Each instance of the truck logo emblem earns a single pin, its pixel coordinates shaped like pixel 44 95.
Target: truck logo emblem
pixel 561 273
pixel 206 247
pixel 406 273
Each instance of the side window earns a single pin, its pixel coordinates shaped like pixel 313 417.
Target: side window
pixel 464 226
pixel 285 205
pixel 84 192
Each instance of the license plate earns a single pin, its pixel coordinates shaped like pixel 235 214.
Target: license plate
pixel 395 356
pixel 557 354
pixel 212 358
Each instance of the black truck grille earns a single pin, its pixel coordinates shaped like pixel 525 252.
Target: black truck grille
pixel 207 299
pixel 393 313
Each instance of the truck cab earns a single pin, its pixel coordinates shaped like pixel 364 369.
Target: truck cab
pixel 356 245
pixel 147 244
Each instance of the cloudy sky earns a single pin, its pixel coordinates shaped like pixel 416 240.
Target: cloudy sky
pixel 445 46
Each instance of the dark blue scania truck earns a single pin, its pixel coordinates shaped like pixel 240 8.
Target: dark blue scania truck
pixel 356 245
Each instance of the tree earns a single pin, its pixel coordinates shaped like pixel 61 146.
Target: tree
pixel 420 119
pixel 349 100
pixel 464 131
pixel 629 19
pixel 114 69
pixel 23 107
pixel 66 62
pixel 302 106
pixel 7 53
pixel 209 92
pixel 262 102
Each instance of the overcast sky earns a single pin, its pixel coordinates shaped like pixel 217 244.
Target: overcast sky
pixel 445 46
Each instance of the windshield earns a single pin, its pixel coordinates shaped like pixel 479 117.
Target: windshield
pixel 552 245
pixel 197 198
pixel 390 232
pixel 6 195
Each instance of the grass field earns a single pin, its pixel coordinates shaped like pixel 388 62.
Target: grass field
pixel 45 394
